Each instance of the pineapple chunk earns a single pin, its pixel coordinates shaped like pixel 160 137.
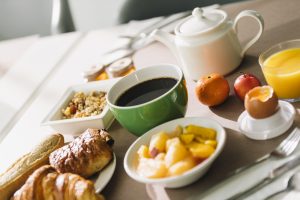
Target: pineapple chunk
pixel 205 133
pixel 143 152
pixel 178 130
pixel 158 141
pixel 199 150
pixel 187 138
pixel 175 153
pixel 160 156
pixel 172 141
pixel 182 166
pixel 152 168
pixel 212 143
pixel 200 139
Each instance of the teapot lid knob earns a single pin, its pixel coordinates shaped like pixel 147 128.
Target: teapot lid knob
pixel 198 13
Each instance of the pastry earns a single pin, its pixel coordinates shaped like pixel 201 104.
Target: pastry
pixel 47 184
pixel 86 155
pixel 15 176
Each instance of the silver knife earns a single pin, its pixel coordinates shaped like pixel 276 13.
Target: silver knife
pixel 273 175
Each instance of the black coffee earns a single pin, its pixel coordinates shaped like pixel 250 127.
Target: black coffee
pixel 146 91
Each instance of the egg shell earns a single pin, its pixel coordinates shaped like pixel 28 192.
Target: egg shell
pixel 261 109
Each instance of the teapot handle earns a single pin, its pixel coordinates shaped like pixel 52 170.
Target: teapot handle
pixel 258 18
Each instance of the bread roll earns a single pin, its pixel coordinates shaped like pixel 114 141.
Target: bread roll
pixel 16 175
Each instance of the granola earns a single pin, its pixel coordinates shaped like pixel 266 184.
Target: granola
pixel 82 105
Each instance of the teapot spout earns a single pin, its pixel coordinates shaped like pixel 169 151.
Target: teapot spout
pixel 167 39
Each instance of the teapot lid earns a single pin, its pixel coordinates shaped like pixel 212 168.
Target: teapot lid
pixel 201 21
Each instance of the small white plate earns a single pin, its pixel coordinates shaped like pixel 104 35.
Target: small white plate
pixel 102 178
pixel 76 126
pixel 270 127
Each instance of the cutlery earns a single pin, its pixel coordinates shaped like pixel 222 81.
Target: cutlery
pixel 142 38
pixel 139 40
pixel 162 22
pixel 293 184
pixel 273 175
pixel 284 149
pixel 135 42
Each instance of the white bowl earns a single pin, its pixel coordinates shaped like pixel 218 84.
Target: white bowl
pixel 76 126
pixel 187 177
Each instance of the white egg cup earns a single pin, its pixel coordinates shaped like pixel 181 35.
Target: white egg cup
pixel 270 127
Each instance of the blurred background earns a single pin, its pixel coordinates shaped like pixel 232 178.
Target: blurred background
pixel 45 17
pixel 26 17
pixel 20 18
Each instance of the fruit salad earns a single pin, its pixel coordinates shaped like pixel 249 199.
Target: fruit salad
pixel 173 153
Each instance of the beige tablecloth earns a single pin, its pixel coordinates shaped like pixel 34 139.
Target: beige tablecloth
pixel 282 22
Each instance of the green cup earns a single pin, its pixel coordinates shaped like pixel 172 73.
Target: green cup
pixel 140 118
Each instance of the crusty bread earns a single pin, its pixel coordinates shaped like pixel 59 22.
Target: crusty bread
pixel 16 175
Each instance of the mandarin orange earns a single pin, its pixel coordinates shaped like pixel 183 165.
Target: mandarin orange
pixel 212 90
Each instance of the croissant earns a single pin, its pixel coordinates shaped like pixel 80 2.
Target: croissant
pixel 47 184
pixel 86 155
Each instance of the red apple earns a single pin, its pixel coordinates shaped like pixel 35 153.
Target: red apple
pixel 244 83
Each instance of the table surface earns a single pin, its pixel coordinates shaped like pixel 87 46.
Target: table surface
pixel 52 64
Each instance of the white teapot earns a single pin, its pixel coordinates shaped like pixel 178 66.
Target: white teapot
pixel 207 42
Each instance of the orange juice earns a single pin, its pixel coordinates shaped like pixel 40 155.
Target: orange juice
pixel 282 72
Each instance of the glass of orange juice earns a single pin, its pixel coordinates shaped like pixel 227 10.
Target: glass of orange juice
pixel 281 68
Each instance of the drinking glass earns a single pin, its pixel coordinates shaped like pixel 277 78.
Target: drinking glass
pixel 283 74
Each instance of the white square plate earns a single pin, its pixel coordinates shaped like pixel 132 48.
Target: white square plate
pixel 77 125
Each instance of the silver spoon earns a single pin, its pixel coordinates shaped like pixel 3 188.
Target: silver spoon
pixel 293 184
pixel 143 37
